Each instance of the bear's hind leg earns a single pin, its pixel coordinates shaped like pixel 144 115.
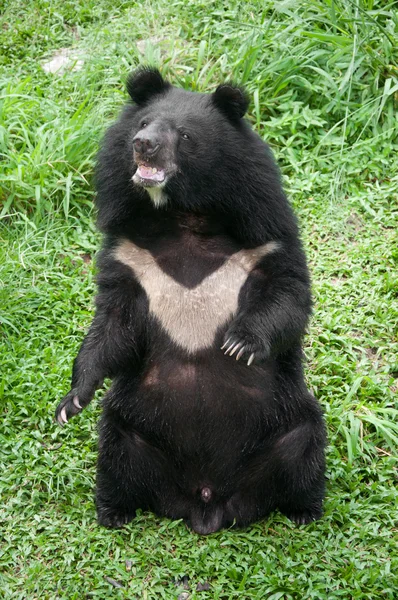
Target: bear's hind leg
pixel 116 505
pixel 299 477
pixel 127 475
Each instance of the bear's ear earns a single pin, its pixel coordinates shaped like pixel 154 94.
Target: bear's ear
pixel 145 83
pixel 231 100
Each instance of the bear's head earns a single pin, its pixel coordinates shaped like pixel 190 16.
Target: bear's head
pixel 188 152
pixel 184 143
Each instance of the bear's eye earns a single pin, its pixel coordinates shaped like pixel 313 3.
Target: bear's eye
pixel 185 136
pixel 143 124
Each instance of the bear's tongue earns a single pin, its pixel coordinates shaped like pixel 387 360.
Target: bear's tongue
pixel 151 173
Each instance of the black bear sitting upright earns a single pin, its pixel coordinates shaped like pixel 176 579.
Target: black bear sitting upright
pixel 204 296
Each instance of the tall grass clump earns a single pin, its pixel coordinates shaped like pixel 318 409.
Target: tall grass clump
pixel 323 77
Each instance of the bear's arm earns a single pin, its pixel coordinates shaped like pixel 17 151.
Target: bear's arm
pixel 113 342
pixel 274 306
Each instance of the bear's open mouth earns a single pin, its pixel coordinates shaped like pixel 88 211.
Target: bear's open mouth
pixel 149 176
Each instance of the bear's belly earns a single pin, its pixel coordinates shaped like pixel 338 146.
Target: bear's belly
pixel 185 406
pixel 192 316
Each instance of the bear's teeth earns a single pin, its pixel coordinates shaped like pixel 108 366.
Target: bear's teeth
pixel 150 173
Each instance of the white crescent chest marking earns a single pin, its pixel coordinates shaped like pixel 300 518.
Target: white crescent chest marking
pixel 191 317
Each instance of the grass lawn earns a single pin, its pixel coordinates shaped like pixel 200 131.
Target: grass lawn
pixel 323 78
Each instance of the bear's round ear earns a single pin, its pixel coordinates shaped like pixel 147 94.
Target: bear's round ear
pixel 231 100
pixel 145 83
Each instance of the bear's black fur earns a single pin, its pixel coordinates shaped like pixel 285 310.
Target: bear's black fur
pixel 203 299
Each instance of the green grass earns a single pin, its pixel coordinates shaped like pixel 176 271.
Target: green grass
pixel 324 81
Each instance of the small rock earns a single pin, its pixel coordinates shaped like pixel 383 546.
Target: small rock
pixel 113 582
pixel 183 596
pixel 203 587
pixel 153 41
pixel 63 59
pixel 183 581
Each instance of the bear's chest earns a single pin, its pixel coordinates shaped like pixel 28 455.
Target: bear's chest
pixel 191 309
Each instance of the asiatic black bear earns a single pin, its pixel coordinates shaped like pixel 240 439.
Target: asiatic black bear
pixel 203 299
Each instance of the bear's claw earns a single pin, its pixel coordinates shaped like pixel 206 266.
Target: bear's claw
pixel 251 358
pixel 234 346
pixel 225 344
pixel 248 346
pixel 238 345
pixel 62 418
pixel 241 351
pixel 76 402
pixel 68 407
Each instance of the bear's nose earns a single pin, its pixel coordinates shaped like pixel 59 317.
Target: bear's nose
pixel 145 145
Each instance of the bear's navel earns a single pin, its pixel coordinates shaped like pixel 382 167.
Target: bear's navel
pixel 152 377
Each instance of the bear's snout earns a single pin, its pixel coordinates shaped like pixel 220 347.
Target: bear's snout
pixel 146 144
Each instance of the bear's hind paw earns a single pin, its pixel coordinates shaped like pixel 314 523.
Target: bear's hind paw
pixel 113 520
pixel 304 517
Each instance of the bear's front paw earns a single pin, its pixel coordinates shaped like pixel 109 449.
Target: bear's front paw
pixel 244 345
pixel 69 406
